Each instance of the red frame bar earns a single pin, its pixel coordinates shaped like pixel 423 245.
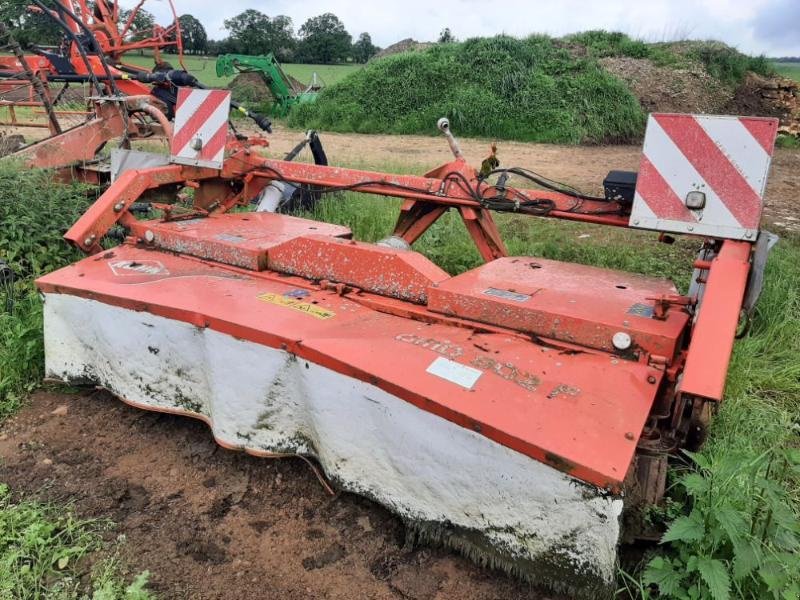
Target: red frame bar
pixel 714 332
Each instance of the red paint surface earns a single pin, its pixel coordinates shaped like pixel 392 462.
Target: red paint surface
pixel 712 339
pixel 579 412
pixel 569 302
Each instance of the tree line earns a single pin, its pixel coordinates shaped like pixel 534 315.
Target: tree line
pixel 322 39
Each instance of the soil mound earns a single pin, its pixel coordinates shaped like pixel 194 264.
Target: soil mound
pixel 666 89
pixel 769 97
pixel 406 45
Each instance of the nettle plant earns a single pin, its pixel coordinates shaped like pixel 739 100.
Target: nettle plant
pixel 741 538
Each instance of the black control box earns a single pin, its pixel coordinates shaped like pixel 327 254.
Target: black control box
pixel 620 186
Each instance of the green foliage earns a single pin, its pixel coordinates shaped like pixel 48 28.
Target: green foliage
pixel 502 87
pixel 44 552
pixel 323 39
pixel 728 64
pixel 363 48
pixel 740 536
pixel 193 35
pixel 787 141
pixel 28 27
pixel 253 32
pixel 34 215
pixel 603 43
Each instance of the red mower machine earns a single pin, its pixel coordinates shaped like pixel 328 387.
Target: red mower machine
pixel 512 411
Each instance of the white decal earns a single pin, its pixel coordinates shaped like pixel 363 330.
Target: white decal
pixel 454 372
pixel 138 267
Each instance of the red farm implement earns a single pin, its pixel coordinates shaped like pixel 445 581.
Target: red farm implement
pixel 72 100
pixel 512 411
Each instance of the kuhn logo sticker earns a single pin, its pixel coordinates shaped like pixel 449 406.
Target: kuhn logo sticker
pixel 123 268
pixel 295 304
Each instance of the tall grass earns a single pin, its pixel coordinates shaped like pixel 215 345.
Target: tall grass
pixel 739 535
pixel 529 90
pixel 34 214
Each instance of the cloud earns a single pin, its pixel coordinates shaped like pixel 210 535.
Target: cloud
pixel 755 26
pixel 779 27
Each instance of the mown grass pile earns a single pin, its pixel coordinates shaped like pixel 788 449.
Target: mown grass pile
pixel 536 89
pixel 531 90
pixel 720 60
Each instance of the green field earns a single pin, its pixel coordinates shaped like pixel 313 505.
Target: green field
pixel 203 67
pixel 787 69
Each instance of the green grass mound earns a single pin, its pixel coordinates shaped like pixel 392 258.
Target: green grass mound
pixel 531 90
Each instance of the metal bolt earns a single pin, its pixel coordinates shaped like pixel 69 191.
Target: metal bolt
pixel 636 221
pixel 748 234
pixel 119 206
pixel 629 436
pixel 651 379
pixel 690 228
pixel 149 236
pixel 89 240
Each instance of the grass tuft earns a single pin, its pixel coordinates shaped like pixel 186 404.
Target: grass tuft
pixel 44 553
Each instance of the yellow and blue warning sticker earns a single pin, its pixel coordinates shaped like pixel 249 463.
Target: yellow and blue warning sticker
pixel 291 300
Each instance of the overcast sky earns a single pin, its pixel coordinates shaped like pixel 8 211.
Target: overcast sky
pixel 754 26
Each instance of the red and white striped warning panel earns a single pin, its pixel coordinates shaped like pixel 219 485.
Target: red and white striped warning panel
pixel 201 127
pixel 704 174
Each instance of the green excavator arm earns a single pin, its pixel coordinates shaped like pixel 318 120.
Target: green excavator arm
pixel 280 85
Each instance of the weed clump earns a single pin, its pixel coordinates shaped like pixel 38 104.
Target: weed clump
pixel 530 90
pixel 34 215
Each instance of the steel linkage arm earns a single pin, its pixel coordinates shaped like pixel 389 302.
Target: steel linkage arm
pixel 113 205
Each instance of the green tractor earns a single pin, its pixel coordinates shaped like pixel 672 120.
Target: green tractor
pixel 286 90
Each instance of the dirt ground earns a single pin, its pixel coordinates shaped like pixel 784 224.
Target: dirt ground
pixel 214 524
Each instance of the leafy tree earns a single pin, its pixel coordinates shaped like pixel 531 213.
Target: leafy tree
pixel 193 35
pixel 142 26
pixel 324 39
pixel 253 32
pixel 282 37
pixel 446 36
pixel 249 32
pixel 28 27
pixel 364 49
